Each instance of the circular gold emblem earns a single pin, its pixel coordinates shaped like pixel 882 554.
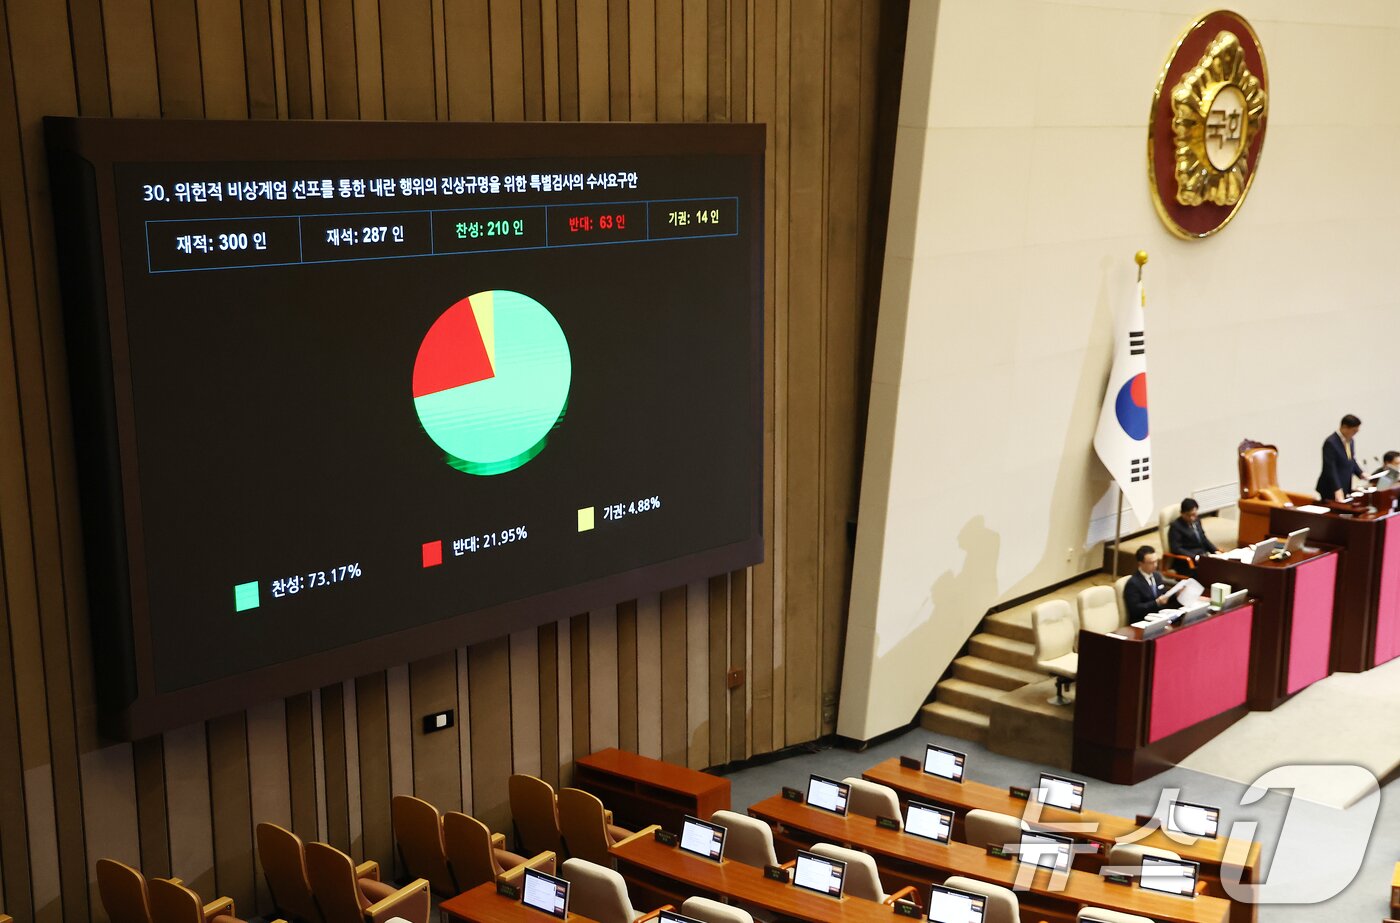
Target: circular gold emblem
pixel 1206 130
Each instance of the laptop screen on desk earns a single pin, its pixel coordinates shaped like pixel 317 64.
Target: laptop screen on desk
pixel 547 893
pixel 825 876
pixel 1193 819
pixel 703 839
pixel 828 794
pixel 1059 792
pixel 949 905
pixel 1047 850
pixel 944 763
pixel 1169 876
pixel 670 916
pixel 928 822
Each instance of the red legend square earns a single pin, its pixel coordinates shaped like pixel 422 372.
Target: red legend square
pixel 432 554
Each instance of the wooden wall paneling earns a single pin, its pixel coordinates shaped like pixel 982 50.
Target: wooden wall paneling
pixel 549 57
pixel 109 812
pixel 436 776
pixel 406 39
pixel 564 711
pixel 315 51
pixel 738 699
pixel 372 736
pixel 525 701
pixel 439 13
pixel 148 757
pixel 670 61
pixel 270 794
pixel 340 51
pixel 578 686
pixel 258 61
pixel 695 63
pixel 467 38
pixel 567 37
pixel 177 59
pixel 641 60
pixel 231 810
pixel 279 57
pixel 717 61
pixel 44 855
pixel 507 67
pixel 627 676
pixel 318 765
pixel 222 62
pixel 296 53
pixel 400 731
pixel 491 725
pixel 188 802
pixel 649 675
pixel 532 58
pixel 369 59
pixel 337 783
pixel 301 767
pixel 351 730
pixel 697 676
pixel 674 716
pixel 717 661
pixel 14 845
pixel 618 58
pixel 547 645
pixel 739 60
pixel 602 679
pixel 464 727
pixel 129 41
pixel 89 57
pixel 782 49
pixel 594 93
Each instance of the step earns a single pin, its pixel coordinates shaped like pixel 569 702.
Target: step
pixel 1014 624
pixel 954 722
pixel 993 673
pixel 971 696
pixel 1003 650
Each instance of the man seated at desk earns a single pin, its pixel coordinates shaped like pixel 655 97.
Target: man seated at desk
pixel 1146 591
pixel 1186 536
pixel 1388 474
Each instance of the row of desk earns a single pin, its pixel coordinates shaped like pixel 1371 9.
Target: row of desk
pixel 1143 704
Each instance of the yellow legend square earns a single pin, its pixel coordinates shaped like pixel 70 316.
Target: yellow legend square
pixel 585 519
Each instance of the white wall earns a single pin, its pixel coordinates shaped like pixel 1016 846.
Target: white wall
pixel 1020 196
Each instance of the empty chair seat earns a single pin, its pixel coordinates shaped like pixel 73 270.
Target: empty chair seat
pixel 534 810
pixel 1099 611
pixel 342 899
pixel 418 834
pixel 1104 915
pixel 871 799
pixel 983 828
pixel 862 877
pixel 1002 905
pixel 283 858
pixel 708 911
pixel 749 841
pixel 599 893
pixel 473 854
pixel 1056 641
pixel 172 902
pixel 583 822
pixel 123 891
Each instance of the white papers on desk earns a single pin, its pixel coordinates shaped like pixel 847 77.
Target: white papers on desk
pixel 1188 592
pixel 1313 508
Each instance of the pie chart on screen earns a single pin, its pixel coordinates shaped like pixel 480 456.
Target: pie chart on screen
pixel 491 381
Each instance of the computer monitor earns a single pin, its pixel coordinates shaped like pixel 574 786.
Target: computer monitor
pixel 929 822
pixel 949 905
pixel 670 916
pixel 1234 600
pixel 547 893
pixel 1059 792
pixel 1169 876
pixel 828 794
pixel 1193 819
pixel 1261 551
pixel 819 874
pixel 1047 850
pixel 944 763
pixel 702 839
pixel 1296 540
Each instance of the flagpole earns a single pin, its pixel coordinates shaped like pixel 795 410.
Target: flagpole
pixel 1141 259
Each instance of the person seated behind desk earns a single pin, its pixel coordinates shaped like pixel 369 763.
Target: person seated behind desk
pixel 1186 536
pixel 1389 471
pixel 1145 592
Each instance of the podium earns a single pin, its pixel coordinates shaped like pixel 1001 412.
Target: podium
pixel 1366 625
pixel 1294 602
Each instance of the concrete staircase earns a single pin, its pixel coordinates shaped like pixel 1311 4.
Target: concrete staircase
pixel 1000 657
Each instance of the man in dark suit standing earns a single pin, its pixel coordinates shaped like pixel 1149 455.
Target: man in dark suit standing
pixel 1145 592
pixel 1339 461
pixel 1186 537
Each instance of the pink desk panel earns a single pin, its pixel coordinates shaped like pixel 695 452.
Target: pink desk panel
pixel 1310 639
pixel 1388 605
pixel 1200 671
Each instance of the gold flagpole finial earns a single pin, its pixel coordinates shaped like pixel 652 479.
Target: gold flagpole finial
pixel 1140 257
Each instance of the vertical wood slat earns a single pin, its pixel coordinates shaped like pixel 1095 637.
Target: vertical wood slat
pixel 649 675
pixel 222 61
pixel 524 702
pixel 339 59
pixel 464 727
pixel 547 645
pixel 641 63
pixel 695 33
pixel 301 766
pixel 532 58
pixel 627 676
pixel 436 756
pixel 717 660
pixel 109 812
pixel 372 716
pixel 89 57
pixel 697 677
pixel 369 62
pixel 567 36
pixel 258 61
pixel 333 767
pixel 738 659
pixel 130 47
pixel 602 678
pixel 491 730
pixel 674 716
pixel 296 52
pixel 578 686
pixel 177 59
pixel 507 68
pixel 231 808
pixel 268 779
pixel 670 90
pixel 406 39
pixel 594 99
pixel 618 58
pixel 187 798
pixel 148 757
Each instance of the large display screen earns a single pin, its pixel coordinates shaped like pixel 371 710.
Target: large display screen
pixel 349 394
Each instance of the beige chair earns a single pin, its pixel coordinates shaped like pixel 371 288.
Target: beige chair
pixel 1056 643
pixel 283 858
pixel 708 911
pixel 982 828
pixel 584 823
pixel 343 899
pixel 172 902
pixel 1104 915
pixel 418 834
pixel 871 799
pixel 476 855
pixel 862 877
pixel 1098 610
pixel 749 841
pixel 1002 905
pixel 599 893
pixel 1118 586
pixel 535 811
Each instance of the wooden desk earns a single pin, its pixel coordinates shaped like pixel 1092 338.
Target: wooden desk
pixel 483 905
pixel 906 860
pixel 1214 855
pixel 1395 892
pixel 1145 703
pixel 1366 623
pixel 640 790
pixel 1293 606
pixel 672 876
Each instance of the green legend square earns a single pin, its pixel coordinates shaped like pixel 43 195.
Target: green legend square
pixel 245 596
pixel 585 519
